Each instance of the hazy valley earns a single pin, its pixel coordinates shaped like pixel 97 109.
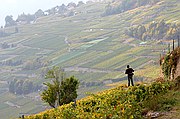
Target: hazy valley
pixel 90 44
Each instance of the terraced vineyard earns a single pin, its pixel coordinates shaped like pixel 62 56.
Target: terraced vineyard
pixel 91 47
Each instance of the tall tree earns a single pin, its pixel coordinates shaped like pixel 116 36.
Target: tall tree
pixel 25 18
pixel 60 89
pixel 9 21
pixel 80 3
pixel 62 9
pixel 39 13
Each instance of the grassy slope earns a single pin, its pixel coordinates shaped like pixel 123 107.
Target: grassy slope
pixel 175 112
pixel 121 102
pixel 46 38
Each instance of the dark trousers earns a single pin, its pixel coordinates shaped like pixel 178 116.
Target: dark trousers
pixel 130 79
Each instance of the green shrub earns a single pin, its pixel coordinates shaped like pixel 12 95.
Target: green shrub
pixel 117 103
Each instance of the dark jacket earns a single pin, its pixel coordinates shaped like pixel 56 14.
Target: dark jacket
pixel 129 71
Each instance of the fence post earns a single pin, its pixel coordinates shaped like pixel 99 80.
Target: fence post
pixel 178 41
pixel 173 44
pixel 160 62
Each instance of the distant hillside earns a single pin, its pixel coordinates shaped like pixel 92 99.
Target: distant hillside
pixel 127 102
pixel 92 47
pixel 61 10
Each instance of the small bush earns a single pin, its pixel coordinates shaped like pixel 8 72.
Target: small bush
pixel 119 102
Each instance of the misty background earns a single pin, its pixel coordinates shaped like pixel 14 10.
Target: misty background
pixel 17 7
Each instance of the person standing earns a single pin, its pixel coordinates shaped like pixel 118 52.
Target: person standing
pixel 129 72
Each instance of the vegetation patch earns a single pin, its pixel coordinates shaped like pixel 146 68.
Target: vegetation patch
pixel 117 103
pixel 154 30
pixel 169 63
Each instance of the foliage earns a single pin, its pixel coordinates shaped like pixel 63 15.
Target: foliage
pixel 154 30
pixel 39 13
pixel 62 90
pixel 126 5
pixel 9 21
pixel 113 103
pixel 80 3
pixel 50 95
pixel 69 88
pixel 166 66
pixel 170 62
pixel 25 18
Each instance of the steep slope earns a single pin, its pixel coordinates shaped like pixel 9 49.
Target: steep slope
pixel 177 73
pixel 121 103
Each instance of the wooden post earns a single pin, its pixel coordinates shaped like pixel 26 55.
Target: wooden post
pixel 160 62
pixel 178 41
pixel 173 44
